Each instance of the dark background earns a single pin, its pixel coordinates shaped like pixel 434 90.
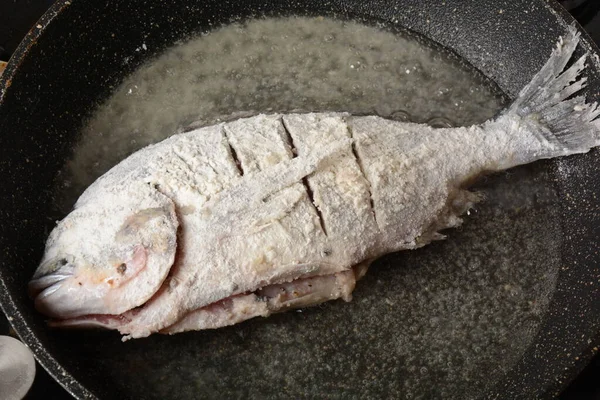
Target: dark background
pixel 17 16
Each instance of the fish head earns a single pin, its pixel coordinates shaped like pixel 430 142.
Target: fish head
pixel 109 255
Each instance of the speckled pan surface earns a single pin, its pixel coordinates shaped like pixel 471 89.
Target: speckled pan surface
pixel 73 60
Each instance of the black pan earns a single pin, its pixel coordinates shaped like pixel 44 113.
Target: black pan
pixel 72 60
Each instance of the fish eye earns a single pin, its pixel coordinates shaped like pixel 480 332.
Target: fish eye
pixel 122 268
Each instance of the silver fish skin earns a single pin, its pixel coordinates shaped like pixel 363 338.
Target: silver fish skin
pixel 264 214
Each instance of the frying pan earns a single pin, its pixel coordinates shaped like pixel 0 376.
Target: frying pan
pixel 71 61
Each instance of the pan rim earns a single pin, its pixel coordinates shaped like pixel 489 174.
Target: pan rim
pixel 48 362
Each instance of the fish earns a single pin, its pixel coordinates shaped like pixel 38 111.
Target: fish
pixel 275 212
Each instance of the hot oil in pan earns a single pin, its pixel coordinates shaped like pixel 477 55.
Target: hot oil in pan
pixel 445 321
pixel 279 65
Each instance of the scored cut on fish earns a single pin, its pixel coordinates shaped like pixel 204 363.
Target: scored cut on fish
pixel 264 214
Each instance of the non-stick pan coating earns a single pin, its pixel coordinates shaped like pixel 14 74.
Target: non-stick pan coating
pixel 71 61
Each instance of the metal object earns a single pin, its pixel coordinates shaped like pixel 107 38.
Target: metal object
pixel 17 368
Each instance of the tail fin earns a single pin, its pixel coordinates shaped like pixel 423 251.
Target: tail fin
pixel 568 123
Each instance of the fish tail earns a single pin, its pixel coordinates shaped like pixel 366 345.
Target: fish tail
pixel 550 108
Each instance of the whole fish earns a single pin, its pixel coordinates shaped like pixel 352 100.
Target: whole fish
pixel 264 214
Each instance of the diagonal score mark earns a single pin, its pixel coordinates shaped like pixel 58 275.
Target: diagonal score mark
pixel 236 160
pixel 359 161
pixel 305 181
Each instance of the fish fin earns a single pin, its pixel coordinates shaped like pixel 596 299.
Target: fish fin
pixel 548 107
pixel 459 203
pixel 360 269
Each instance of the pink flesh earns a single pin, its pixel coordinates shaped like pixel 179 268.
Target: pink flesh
pixel 92 321
pixel 232 310
pixel 268 300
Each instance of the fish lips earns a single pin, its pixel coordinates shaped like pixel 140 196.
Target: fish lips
pixel 49 283
pixel 69 292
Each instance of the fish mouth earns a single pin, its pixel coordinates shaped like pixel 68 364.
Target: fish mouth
pixel 44 288
pixel 49 282
pixel 65 289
